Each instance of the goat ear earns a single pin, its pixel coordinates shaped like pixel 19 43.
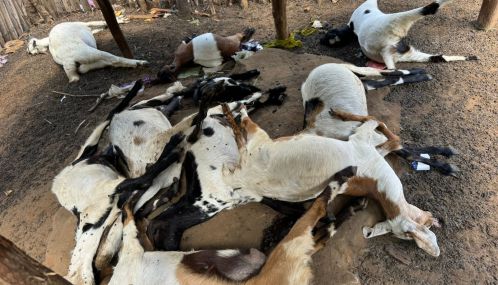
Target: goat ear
pixel 425 239
pixel 377 230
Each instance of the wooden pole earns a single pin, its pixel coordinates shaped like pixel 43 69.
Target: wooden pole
pixel 16 267
pixel 489 15
pixel 113 25
pixel 244 4
pixel 184 9
pixel 279 10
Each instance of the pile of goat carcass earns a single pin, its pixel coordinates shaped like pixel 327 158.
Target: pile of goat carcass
pixel 136 197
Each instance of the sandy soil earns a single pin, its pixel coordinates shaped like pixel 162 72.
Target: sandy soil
pixel 458 108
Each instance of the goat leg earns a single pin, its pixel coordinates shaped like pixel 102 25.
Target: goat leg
pixel 235 127
pixel 393 141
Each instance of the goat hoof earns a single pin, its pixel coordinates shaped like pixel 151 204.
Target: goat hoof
pixel 472 57
pixel 450 152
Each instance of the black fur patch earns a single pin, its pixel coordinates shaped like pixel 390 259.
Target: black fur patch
pixel 339 37
pixel 87 152
pixel 343 175
pixel 367 11
pixel 138 123
pixel 437 58
pixel 100 222
pixel 246 75
pixel 166 230
pixel 402 46
pixel 208 131
pixel 430 9
pixel 77 214
pixel 309 107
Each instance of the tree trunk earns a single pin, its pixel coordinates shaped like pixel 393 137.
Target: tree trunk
pixel 42 11
pixel 183 7
pixel 143 5
pixel 244 4
pixel 16 267
pixel 279 10
pixel 489 15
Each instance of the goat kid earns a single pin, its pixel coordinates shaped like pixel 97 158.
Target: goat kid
pixel 289 263
pixel 208 50
pixel 382 37
pixel 335 86
pixel 73 46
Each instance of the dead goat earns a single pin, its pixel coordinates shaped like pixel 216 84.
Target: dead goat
pixel 289 263
pixel 208 50
pixel 73 46
pixel 382 37
pixel 336 86
pixel 87 187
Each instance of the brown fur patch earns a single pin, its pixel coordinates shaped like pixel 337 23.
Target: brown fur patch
pixel 364 186
pixel 313 113
pixel 228 46
pixel 138 140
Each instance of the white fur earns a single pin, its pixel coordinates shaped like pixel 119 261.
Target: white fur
pixel 379 33
pixel 72 44
pixel 206 52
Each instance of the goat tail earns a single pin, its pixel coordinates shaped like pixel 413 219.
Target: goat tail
pixel 247 34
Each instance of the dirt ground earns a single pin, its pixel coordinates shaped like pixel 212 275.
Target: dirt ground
pixel 458 108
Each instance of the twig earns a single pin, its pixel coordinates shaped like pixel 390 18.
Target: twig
pixel 79 126
pixel 48 121
pixel 74 95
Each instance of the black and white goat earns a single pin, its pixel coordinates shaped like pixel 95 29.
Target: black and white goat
pixel 335 86
pixel 73 46
pixel 289 262
pixel 87 187
pixel 217 176
pixel 382 36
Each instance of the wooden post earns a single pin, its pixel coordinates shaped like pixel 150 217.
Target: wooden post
pixel 16 267
pixel 113 25
pixel 279 10
pixel 183 7
pixel 489 14
pixel 244 4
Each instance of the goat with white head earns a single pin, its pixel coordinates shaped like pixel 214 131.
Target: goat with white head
pixel 73 46
pixel 382 36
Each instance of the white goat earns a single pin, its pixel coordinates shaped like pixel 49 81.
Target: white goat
pixel 73 46
pixel 289 263
pixel 382 36
pixel 290 168
pixel 335 86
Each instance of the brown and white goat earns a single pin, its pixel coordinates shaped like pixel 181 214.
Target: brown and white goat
pixel 290 168
pixel 289 263
pixel 208 50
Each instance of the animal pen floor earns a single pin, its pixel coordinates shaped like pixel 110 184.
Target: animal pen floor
pixel 459 108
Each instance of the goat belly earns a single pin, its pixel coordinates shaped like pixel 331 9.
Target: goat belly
pixel 206 52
